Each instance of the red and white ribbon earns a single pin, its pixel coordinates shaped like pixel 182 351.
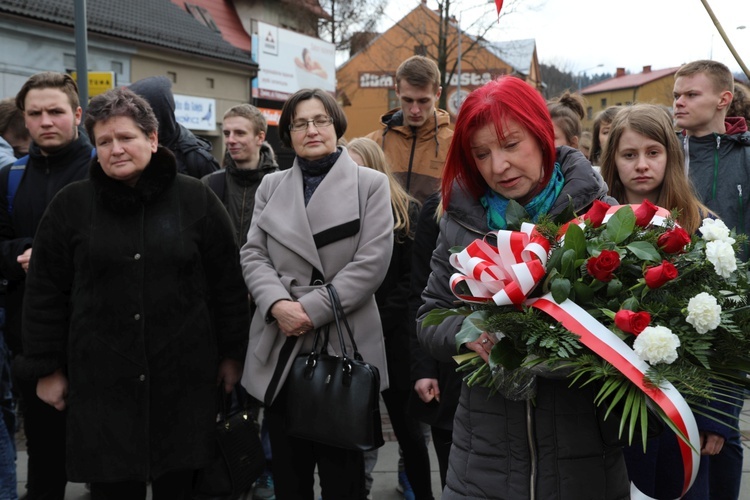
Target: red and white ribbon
pixel 505 274
pixel 610 347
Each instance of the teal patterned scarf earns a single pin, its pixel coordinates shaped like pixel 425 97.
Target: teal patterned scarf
pixel 538 206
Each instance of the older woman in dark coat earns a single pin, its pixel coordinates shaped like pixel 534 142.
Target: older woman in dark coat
pixel 135 310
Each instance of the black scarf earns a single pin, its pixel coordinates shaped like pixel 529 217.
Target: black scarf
pixel 314 171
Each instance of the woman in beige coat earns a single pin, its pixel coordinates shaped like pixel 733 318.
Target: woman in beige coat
pixel 325 220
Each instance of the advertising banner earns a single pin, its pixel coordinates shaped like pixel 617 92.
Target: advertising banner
pixel 288 61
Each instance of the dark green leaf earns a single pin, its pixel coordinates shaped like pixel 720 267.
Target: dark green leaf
pixel 515 214
pixel 560 290
pixel 620 226
pixel 644 251
pixel 436 316
pixel 614 287
pixel 575 240
pixel 472 327
pixel 569 263
pixel 584 294
pixel 506 355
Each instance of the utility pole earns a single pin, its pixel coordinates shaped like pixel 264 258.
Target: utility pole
pixel 82 66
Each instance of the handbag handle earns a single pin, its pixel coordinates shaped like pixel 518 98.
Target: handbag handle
pixel 339 316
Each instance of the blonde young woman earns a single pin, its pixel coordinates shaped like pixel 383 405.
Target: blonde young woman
pixel 644 161
pixel 391 298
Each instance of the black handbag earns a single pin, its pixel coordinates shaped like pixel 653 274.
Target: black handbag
pixel 239 454
pixel 334 400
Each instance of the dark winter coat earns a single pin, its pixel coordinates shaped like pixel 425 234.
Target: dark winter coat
pixel 391 298
pixel 43 177
pixel 236 188
pixel 552 447
pixel 719 167
pixel 435 413
pixel 137 294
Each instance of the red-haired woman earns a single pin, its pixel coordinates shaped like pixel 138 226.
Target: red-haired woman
pixel 554 445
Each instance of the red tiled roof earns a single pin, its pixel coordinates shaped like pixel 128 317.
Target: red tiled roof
pixel 629 81
pixel 227 20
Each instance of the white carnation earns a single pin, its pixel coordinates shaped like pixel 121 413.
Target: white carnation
pixel 704 313
pixel 657 344
pixel 721 255
pixel 715 230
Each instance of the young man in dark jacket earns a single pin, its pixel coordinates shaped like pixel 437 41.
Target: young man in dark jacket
pixel 249 159
pixel 58 155
pixel 717 158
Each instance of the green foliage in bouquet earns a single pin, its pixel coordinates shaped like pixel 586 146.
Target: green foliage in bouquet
pixel 679 300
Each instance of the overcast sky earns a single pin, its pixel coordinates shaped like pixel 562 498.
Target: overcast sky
pixel 576 35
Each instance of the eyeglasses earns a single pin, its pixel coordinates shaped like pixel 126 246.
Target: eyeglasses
pixel 319 122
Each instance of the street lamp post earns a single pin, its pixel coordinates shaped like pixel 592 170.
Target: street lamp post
pixel 583 71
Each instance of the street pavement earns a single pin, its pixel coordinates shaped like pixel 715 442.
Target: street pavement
pixel 385 477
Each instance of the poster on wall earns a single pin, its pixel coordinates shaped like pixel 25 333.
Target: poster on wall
pixel 195 113
pixel 288 61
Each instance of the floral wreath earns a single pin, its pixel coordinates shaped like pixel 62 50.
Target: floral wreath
pixel 622 297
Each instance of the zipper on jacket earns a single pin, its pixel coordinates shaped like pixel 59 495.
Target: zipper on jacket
pixel 411 158
pixel 716 167
pixel 532 450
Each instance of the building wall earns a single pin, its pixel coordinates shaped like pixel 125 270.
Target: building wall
pixel 29 48
pixel 656 92
pixel 365 82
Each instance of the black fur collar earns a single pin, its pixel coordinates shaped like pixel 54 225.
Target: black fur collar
pixel 154 180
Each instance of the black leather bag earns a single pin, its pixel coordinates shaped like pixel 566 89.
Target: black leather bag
pixel 239 454
pixel 335 400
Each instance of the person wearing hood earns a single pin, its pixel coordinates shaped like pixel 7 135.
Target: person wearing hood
pixel 193 153
pixel 717 159
pixel 555 445
pixel 416 136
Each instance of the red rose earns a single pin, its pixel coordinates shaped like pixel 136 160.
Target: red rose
pixel 596 213
pixel 645 213
pixel 603 266
pixel 656 276
pixel 674 241
pixel 632 322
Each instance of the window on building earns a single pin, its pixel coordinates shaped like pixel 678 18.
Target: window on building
pixel 116 66
pixel 202 16
pixel 210 83
pixel 172 76
pixel 420 50
pixel 590 113
pixel 393 101
pixel 604 103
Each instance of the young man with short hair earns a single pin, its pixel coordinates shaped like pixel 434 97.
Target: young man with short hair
pixel 416 136
pixel 717 158
pixel 58 155
pixel 249 158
